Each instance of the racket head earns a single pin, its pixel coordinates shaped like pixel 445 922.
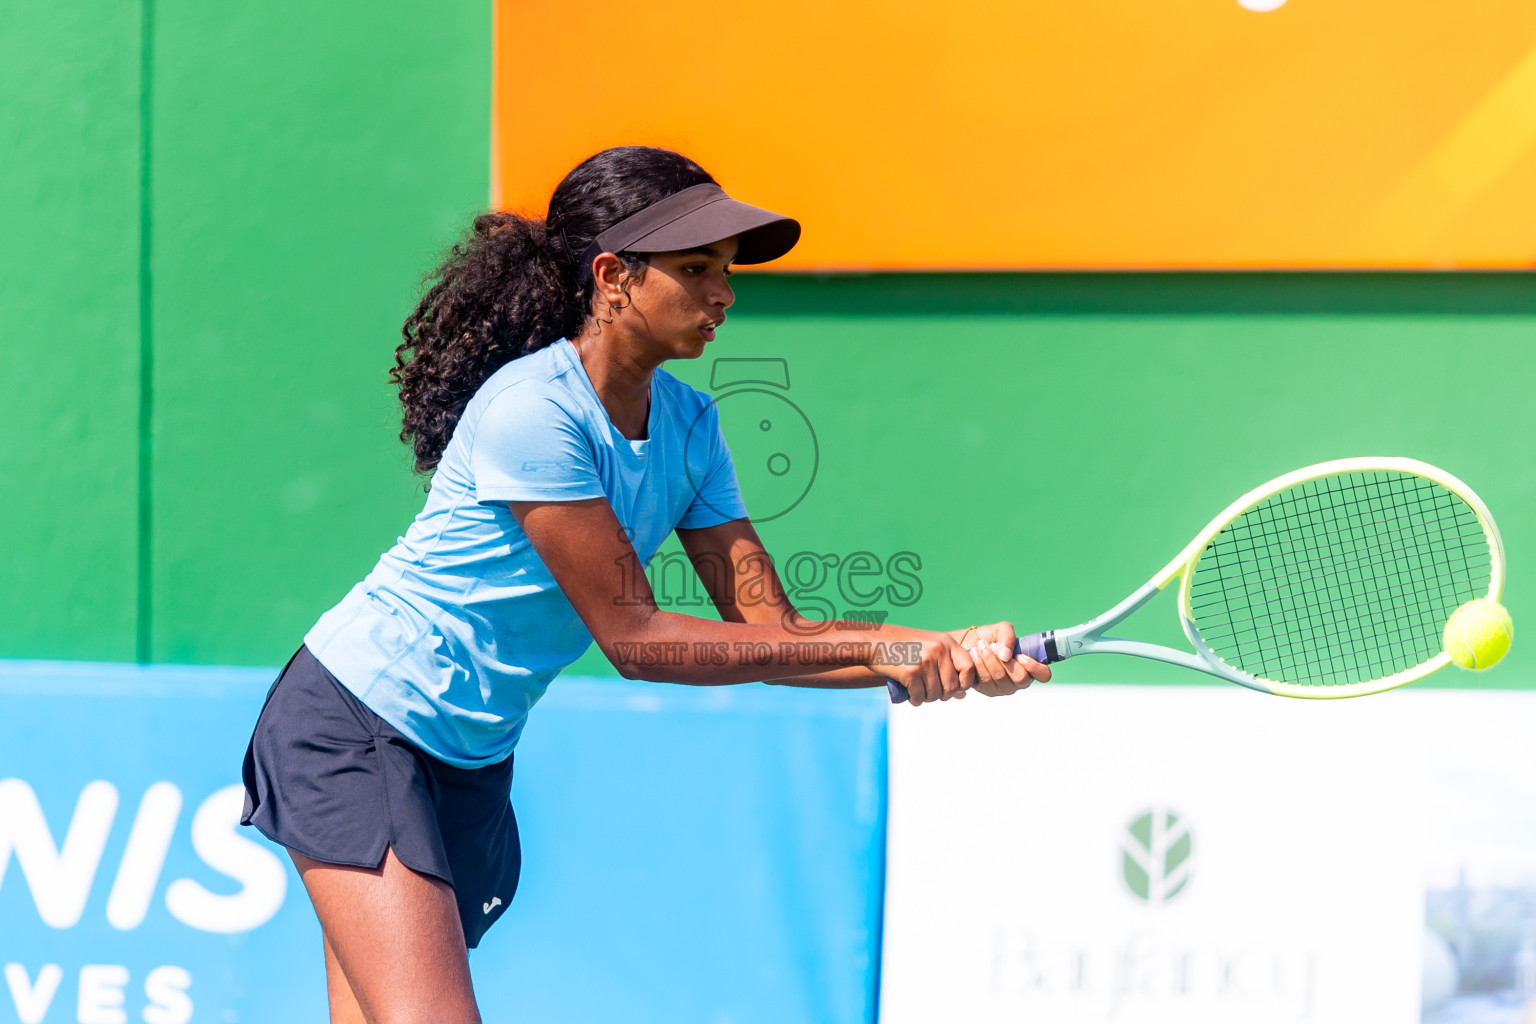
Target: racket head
pixel 1337 580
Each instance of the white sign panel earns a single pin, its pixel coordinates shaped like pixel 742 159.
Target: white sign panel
pixel 1155 855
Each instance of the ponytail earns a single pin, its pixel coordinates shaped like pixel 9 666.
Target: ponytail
pixel 497 296
pixel 514 287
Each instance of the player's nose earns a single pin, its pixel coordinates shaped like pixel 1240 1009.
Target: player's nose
pixel 723 296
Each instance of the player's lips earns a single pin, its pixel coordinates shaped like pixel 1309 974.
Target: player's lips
pixel 708 330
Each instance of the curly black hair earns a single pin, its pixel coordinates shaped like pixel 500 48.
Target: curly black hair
pixel 514 286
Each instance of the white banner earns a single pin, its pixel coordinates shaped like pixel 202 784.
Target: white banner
pixel 1207 855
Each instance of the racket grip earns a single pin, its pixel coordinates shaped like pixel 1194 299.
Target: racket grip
pixel 1039 646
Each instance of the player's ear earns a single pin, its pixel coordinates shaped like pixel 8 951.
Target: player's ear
pixel 610 278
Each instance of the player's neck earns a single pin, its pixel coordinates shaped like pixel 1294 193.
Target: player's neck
pixel 620 376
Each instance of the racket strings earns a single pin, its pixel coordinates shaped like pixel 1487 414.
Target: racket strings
pixel 1320 619
pixel 1313 618
pixel 1322 622
pixel 1346 578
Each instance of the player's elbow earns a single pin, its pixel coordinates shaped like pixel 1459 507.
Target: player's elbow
pixel 633 645
pixel 648 661
pixel 623 656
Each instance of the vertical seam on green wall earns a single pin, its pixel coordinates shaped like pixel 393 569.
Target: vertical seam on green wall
pixel 142 650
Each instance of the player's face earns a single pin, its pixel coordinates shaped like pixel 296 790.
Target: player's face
pixel 683 297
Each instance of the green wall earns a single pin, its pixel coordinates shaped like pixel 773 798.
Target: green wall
pixel 310 162
pixel 216 221
pixel 69 329
pixel 213 220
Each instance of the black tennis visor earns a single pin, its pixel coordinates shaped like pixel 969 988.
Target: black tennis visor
pixel 695 217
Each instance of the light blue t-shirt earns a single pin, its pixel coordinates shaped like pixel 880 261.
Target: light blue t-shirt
pixel 459 629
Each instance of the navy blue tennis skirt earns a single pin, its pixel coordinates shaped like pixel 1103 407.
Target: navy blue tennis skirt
pixel 328 778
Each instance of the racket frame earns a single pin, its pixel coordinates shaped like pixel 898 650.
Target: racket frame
pixel 1090 638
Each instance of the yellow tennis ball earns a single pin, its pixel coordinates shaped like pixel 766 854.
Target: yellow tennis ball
pixel 1478 634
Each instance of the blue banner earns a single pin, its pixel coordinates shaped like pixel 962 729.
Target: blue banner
pixel 690 854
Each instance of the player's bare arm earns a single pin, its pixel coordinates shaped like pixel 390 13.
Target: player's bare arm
pixel 584 547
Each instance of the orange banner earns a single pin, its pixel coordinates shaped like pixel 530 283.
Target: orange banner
pixel 1023 134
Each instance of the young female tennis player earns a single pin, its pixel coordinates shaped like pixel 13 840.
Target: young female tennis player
pixel 562 456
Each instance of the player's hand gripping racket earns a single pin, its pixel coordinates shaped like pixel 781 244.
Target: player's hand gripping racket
pixel 1335 580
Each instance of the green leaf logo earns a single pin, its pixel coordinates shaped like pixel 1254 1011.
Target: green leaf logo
pixel 1155 856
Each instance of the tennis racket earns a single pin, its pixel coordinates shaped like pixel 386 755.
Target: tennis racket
pixel 1332 581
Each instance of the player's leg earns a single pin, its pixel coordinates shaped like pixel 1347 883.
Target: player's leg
pixel 396 937
pixel 338 991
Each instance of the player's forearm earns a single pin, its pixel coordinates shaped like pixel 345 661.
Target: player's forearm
pixel 667 647
pixel 835 679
